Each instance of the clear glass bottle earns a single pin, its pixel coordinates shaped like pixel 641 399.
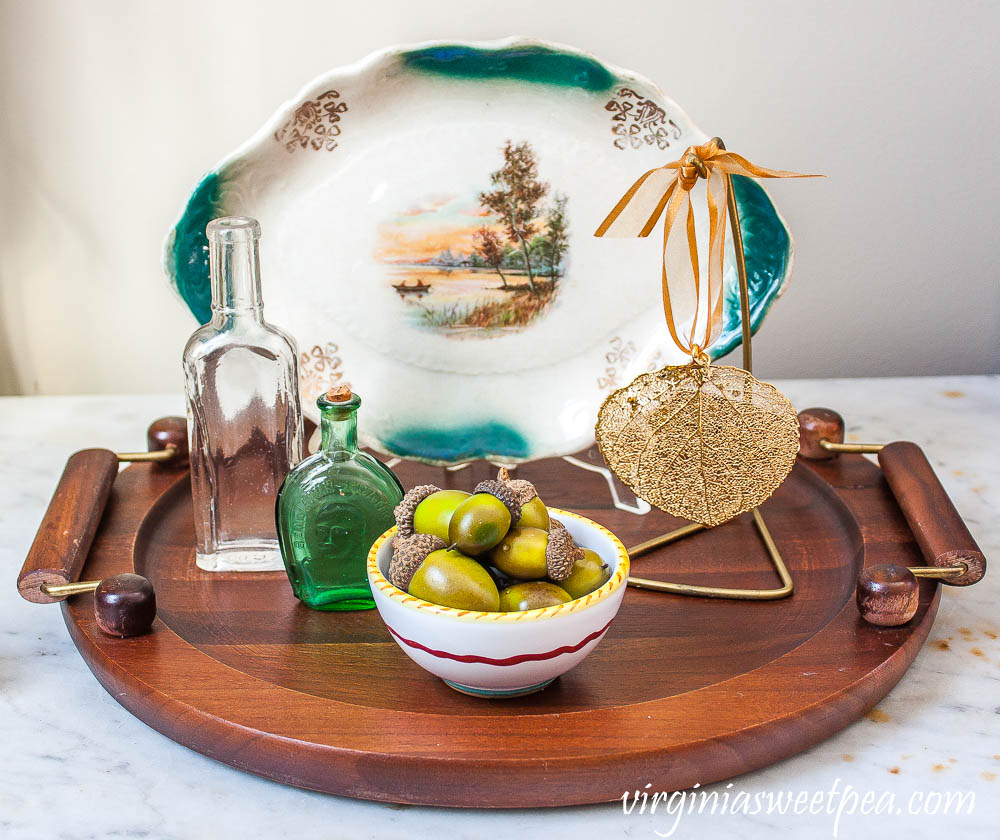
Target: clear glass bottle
pixel 331 508
pixel 244 416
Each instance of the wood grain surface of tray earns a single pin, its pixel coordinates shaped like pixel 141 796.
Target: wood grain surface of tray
pixel 680 691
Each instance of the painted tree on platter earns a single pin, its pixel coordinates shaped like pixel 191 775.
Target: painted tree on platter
pixel 556 235
pixel 515 198
pixel 491 249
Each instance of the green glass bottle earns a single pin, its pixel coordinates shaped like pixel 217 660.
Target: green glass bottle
pixel 331 508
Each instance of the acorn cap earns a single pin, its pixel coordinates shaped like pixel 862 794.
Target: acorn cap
pixel 408 505
pixel 524 489
pixel 407 555
pixel 560 552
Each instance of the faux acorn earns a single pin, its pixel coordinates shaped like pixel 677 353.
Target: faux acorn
pixel 532 595
pixel 433 515
pixel 520 497
pixel 407 507
pixel 478 524
pixel 504 493
pixel 408 552
pixel 408 547
pixel 521 554
pixel 588 573
pixel 528 553
pixel 452 579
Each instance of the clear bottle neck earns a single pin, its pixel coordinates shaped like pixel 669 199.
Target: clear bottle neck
pixel 235 268
pixel 339 425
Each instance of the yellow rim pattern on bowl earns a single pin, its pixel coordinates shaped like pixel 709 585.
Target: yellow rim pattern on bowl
pixel 616 581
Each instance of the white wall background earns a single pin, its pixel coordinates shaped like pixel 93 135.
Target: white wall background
pixel 112 110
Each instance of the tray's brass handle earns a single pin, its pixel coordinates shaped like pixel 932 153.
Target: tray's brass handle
pixel 68 527
pixel 888 595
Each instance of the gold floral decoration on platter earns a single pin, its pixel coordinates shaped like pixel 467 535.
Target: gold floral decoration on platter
pixel 314 124
pixel 702 442
pixel 319 370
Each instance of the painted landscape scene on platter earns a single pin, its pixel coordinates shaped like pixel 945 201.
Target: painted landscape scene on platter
pixel 482 263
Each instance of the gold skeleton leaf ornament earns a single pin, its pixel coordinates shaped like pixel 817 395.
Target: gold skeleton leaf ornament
pixel 702 442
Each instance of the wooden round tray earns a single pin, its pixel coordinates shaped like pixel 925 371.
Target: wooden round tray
pixel 680 691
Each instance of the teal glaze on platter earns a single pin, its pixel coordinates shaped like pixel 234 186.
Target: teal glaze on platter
pixel 436 346
pixel 462 443
pixel 535 63
pixel 189 249
pixel 767 248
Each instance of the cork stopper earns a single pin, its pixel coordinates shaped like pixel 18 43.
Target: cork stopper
pixel 339 393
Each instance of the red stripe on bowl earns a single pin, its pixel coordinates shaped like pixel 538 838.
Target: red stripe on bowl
pixel 510 660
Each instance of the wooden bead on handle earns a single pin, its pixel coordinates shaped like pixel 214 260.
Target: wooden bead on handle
pixel 124 605
pixel 887 595
pixel 169 431
pixel 816 424
pixel 940 532
pixel 68 527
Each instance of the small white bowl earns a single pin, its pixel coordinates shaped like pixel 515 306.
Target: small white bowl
pixel 502 654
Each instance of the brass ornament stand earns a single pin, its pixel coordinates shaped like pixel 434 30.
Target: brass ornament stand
pixel 774 554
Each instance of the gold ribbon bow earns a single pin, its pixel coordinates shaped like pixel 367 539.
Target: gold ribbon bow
pixel 670 187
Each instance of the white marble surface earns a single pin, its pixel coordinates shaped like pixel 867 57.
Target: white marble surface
pixel 74 764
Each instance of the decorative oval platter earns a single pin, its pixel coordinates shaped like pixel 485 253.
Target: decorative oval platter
pixel 428 217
